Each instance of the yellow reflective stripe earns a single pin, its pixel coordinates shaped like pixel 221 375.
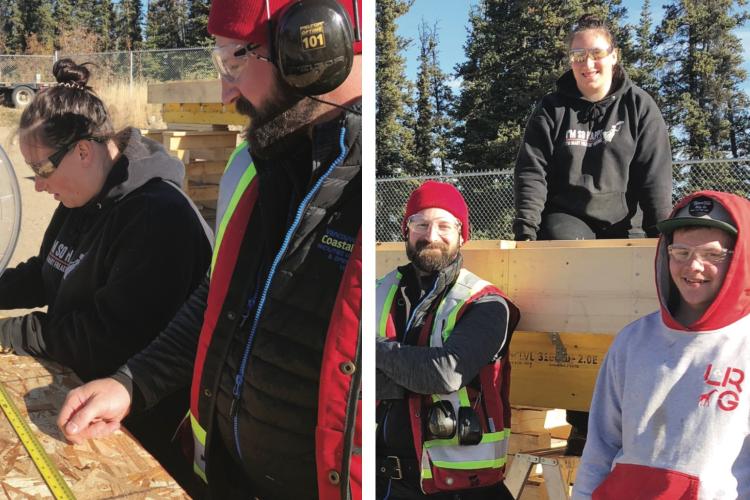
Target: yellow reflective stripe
pixel 426 473
pixel 198 431
pixel 435 398
pixel 245 180
pixel 383 323
pixel 463 397
pixel 451 321
pixel 474 464
pixel 488 437
pixel 200 472
pixel 239 149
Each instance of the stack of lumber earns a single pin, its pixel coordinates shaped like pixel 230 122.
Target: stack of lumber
pixel 115 466
pixel 198 134
pixel 205 155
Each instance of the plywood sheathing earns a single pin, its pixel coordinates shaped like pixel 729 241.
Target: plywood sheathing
pixel 115 466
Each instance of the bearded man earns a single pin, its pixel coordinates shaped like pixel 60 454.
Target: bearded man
pixel 443 375
pixel 272 342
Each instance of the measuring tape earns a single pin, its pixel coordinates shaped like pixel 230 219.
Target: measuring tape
pixel 47 469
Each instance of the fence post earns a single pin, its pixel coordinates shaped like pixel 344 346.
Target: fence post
pixel 131 71
pixel 55 57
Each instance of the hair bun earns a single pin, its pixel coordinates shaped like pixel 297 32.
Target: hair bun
pixel 70 74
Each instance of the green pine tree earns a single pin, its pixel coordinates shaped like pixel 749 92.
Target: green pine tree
pixel 197 26
pixel 644 63
pixel 702 98
pixel 394 141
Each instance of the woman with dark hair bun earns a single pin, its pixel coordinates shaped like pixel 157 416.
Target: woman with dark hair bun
pixel 594 152
pixel 123 251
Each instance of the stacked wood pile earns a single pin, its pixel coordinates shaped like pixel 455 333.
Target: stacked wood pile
pixel 116 466
pixel 198 133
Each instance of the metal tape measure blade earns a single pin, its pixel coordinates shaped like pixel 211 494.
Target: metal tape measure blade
pixel 42 461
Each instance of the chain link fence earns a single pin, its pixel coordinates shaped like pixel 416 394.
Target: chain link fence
pixel 489 194
pixel 133 67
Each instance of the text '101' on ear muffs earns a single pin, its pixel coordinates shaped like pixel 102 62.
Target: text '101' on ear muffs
pixel 313 41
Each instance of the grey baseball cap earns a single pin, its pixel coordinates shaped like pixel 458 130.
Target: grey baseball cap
pixel 701 211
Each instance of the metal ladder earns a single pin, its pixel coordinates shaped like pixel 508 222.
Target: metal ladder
pixel 552 472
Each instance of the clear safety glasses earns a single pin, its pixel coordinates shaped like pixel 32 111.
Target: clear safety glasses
pixel 230 60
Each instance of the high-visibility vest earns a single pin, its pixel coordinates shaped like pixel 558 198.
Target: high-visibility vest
pixel 445 464
pixel 237 195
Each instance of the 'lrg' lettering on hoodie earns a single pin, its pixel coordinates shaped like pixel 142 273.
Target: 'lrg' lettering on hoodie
pixel 728 399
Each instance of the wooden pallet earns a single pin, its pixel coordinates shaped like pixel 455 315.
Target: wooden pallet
pixel 115 466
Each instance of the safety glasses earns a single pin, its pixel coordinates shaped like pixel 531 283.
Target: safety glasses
pixel 578 56
pixel 230 60
pixel 445 227
pixel 47 167
pixel 683 254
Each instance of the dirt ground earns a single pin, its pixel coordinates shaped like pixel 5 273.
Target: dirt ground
pixel 36 208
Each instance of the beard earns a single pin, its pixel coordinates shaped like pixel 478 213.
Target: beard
pixel 431 257
pixel 285 113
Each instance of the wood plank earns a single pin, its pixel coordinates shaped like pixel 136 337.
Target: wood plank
pixel 184 140
pixel 190 91
pixel 215 118
pixel 203 193
pixel 108 467
pixel 594 286
pixel 555 372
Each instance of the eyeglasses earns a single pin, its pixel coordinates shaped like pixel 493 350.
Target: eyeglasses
pixel 683 254
pixel 47 167
pixel 445 227
pixel 578 56
pixel 230 60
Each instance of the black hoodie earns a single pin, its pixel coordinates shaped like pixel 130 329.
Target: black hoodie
pixel 112 273
pixel 594 160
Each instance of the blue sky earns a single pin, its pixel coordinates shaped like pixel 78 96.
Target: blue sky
pixel 452 17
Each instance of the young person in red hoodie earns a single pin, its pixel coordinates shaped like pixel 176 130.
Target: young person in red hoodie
pixel 669 416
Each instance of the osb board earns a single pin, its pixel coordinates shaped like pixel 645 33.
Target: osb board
pixel 592 286
pixel 115 466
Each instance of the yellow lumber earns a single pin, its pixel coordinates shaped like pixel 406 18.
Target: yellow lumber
pixel 185 91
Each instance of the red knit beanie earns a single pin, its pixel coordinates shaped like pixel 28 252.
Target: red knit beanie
pixel 248 20
pixel 433 194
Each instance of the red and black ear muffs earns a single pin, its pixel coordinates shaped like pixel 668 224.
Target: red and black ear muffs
pixel 312 45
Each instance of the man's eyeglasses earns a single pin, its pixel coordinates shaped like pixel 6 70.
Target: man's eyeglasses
pixel 47 167
pixel 683 254
pixel 230 60
pixel 445 227
pixel 578 56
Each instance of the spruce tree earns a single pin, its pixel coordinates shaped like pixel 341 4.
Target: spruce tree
pixel 644 61
pixel 165 24
pixel 424 139
pixel 394 141
pixel 129 25
pixel 197 25
pixel 702 98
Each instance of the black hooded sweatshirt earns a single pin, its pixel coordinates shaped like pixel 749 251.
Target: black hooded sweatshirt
pixel 594 160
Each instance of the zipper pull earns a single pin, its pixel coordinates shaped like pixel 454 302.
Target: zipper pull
pixel 234 408
pixel 237 386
